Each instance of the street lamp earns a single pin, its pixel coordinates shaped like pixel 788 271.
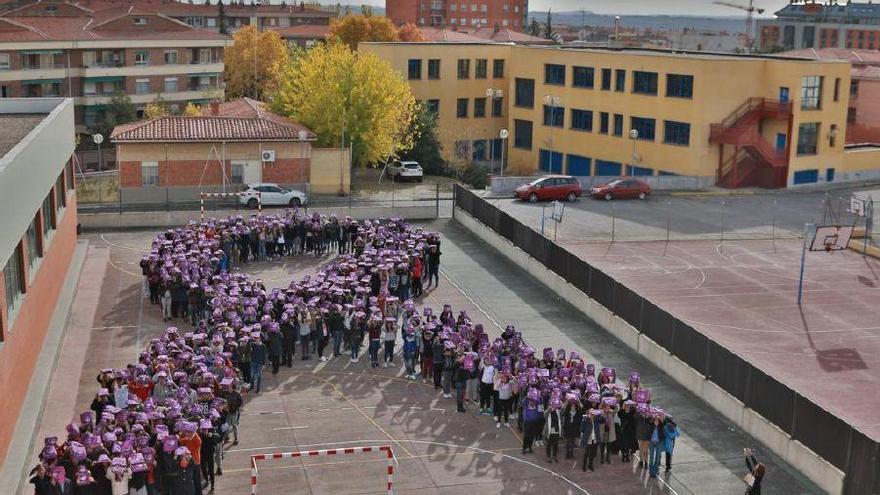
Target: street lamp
pixel 302 135
pixel 98 139
pixel 634 136
pixel 553 103
pixel 503 135
pixel 492 95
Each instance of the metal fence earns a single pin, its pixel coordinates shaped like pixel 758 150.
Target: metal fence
pixel 840 444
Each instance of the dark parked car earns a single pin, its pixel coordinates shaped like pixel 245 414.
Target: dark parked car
pixel 621 189
pixel 549 188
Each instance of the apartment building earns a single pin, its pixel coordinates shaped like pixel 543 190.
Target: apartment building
pixel 808 24
pixel 60 49
pixel 37 242
pixel 765 121
pixel 263 16
pixel 460 13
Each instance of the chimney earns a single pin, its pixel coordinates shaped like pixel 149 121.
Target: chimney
pixel 215 108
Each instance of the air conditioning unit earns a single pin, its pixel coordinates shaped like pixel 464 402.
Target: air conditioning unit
pixel 268 156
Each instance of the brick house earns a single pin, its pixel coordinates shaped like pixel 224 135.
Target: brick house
pixel 173 158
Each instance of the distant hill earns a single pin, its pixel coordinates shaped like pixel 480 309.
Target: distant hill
pixel 732 24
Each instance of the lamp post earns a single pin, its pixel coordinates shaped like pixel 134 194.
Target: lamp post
pixel 492 95
pixel 634 136
pixel 553 103
pixel 503 135
pixel 302 135
pixel 98 139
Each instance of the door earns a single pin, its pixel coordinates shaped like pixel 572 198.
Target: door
pixel 780 141
pixel 250 171
pixel 783 95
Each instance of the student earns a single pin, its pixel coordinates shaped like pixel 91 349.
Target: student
pixel 591 436
pixel 571 425
pixel 552 430
pixel 389 337
pixel 258 359
pixel 671 430
pixel 487 386
pixel 460 377
pixel 756 473
pixel 531 414
pixel 505 390
pixel 655 446
pixel 305 330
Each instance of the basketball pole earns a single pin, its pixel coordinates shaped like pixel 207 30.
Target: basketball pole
pixel 807 229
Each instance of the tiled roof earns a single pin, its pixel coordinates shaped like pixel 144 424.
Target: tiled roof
pixel 239 120
pixel 440 34
pixel 467 35
pixel 869 57
pixel 311 31
pixel 866 72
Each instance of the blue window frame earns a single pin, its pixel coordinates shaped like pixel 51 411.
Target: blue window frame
pixel 620 80
pixel 554 74
pixel 603 122
pixel 522 134
pixel 550 161
pixel 618 125
pixel 829 175
pixel 806 176
pixel 676 133
pixel 679 86
pixel 639 171
pixel 606 79
pixel 582 120
pixel 554 116
pixel 646 127
pixel 583 77
pixel 605 168
pixel 415 68
pixel 645 83
pixel 479 150
pixel 579 165
pixel 525 93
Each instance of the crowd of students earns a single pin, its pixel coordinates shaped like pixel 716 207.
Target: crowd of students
pixel 160 425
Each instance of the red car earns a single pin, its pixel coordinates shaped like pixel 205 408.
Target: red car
pixel 549 188
pixel 621 189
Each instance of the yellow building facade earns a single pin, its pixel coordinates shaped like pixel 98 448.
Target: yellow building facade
pixel 744 120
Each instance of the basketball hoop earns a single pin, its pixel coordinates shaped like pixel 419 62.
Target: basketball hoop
pixel 857 206
pixel 831 238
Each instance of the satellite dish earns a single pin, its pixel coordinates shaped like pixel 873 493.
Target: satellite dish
pixel 97 138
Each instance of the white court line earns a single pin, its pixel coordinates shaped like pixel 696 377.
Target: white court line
pixel 290 428
pixel 120 246
pixel 469 298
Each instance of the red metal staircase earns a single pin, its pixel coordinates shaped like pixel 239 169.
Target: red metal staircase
pixel 754 162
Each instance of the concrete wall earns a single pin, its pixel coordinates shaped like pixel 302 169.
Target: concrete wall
pixel 822 473
pixel 504 186
pixel 167 219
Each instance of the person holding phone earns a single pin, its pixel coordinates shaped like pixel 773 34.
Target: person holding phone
pixel 755 475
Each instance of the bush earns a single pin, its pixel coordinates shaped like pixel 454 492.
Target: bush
pixel 475 176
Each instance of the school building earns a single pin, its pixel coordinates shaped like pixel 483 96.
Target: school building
pixel 737 120
pixel 37 239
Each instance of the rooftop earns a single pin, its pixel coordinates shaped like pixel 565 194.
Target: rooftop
pixel 867 57
pixel 854 11
pixel 238 120
pixel 310 31
pixel 15 126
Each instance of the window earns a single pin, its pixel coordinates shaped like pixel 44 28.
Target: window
pixel 618 125
pixel 68 175
pixel 434 68
pixel 606 79
pixel 554 116
pixel 603 122
pixel 481 68
pixel 676 133
pixel 582 77
pixel 645 127
pixel 479 150
pixel 141 57
pixel 89 88
pixel 550 161
pixel 854 87
pixel 415 68
pixel 464 68
pixel 851 114
pixel 34 246
pixel 578 165
pixel 206 56
pixel 525 93
pixel 554 74
pixel 479 107
pixel 171 57
pixel 811 92
pixel 498 107
pixel 581 120
pixel 837 89
pixel 498 68
pixel 237 173
pixel 142 86
pixel 4 61
pixel 522 134
pixel 171 85
pixel 832 135
pixel 462 150
pixel 679 86
pixel 149 174
pixel 60 192
pixel 48 214
pixel 140 21
pixel 90 59
pixel 620 80
pixel 13 273
pixel 808 138
pixel 645 83
pixel 433 106
pixel 461 108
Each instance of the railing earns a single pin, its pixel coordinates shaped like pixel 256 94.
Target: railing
pixel 766 107
pixel 747 137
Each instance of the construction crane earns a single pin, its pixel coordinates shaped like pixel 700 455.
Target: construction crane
pixel 751 10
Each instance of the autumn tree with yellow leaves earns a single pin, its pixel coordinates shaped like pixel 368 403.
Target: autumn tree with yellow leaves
pixel 255 63
pixel 333 90
pixel 354 29
pixel 411 33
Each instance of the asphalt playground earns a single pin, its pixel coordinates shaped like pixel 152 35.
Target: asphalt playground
pixel 338 404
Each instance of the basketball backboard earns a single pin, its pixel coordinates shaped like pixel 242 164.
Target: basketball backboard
pixel 857 206
pixel 831 238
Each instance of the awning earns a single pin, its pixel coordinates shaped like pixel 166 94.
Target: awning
pixel 43 81
pixel 206 74
pixel 102 79
pixel 42 52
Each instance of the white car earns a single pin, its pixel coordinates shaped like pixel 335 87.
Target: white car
pixel 271 195
pixel 405 170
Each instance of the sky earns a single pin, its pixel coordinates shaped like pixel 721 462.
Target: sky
pixel 630 7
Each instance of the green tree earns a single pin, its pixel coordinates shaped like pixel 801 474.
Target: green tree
pixel 426 147
pixel 221 18
pixel 548 25
pixel 119 111
pixel 535 28
pixel 348 98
